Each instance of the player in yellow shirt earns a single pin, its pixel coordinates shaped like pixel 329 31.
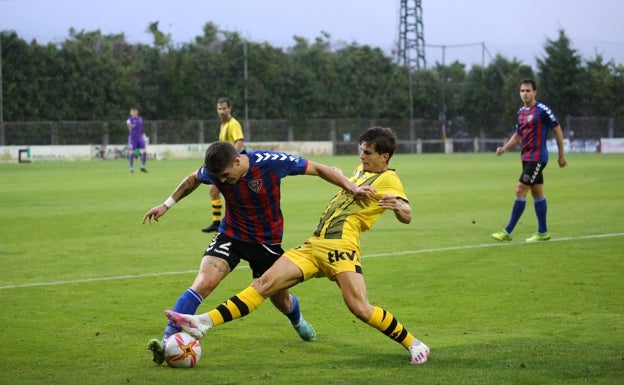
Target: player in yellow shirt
pixel 230 131
pixel 333 250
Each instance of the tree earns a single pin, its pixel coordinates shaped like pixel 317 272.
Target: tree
pixel 93 82
pixel 561 77
pixel 91 76
pixel 490 98
pixel 370 85
pixel 603 90
pixel 27 81
pixel 161 40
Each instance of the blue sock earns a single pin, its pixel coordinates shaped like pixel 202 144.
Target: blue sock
pixel 188 303
pixel 294 315
pixel 540 211
pixel 516 213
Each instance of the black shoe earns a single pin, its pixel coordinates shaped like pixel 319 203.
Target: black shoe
pixel 143 169
pixel 212 228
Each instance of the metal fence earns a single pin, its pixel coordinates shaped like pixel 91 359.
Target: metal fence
pixel 417 135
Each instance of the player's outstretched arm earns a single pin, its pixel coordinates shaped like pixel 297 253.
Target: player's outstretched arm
pixel 334 175
pixel 155 213
pixel 187 186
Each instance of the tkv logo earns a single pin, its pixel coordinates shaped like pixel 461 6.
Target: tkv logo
pixel 335 256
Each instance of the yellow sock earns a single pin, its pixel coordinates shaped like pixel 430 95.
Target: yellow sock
pixel 385 322
pixel 238 306
pixel 217 205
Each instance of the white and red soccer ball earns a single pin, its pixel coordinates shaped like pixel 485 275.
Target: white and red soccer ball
pixel 182 351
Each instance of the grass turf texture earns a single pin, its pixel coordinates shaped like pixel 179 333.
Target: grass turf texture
pixel 83 284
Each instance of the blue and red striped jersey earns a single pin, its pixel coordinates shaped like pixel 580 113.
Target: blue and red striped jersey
pixel 252 206
pixel 533 124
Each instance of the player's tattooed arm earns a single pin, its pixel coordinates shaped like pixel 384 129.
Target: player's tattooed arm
pixel 187 186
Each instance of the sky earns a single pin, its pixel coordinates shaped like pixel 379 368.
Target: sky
pixel 472 32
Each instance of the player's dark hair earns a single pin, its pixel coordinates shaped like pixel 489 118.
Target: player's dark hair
pixel 224 100
pixel 530 81
pixel 382 139
pixel 219 155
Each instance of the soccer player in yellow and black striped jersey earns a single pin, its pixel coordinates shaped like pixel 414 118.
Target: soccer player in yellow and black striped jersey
pixel 333 250
pixel 229 131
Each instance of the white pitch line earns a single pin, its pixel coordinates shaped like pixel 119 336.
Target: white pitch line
pixel 484 245
pixel 86 280
pixel 421 251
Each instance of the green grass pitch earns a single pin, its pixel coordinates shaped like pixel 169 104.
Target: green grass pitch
pixel 83 284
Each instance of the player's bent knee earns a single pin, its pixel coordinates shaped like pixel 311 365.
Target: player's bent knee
pixel 362 311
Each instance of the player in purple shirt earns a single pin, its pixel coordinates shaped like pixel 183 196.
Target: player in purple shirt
pixel 136 139
pixel 252 227
pixel 534 121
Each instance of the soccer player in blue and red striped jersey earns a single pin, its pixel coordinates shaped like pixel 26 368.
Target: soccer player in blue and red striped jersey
pixel 252 227
pixel 333 250
pixel 534 122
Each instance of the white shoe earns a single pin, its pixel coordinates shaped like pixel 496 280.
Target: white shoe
pixel 419 352
pixel 192 324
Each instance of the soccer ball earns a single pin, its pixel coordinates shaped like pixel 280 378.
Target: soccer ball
pixel 182 351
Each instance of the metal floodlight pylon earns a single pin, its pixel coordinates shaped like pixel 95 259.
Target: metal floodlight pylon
pixel 411 50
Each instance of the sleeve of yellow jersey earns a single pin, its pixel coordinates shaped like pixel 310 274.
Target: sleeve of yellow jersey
pixel 389 184
pixel 235 131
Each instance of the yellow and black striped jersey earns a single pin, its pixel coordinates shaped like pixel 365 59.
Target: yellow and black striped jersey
pixel 345 218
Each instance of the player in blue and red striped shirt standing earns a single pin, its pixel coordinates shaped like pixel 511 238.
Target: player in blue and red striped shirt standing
pixel 252 227
pixel 534 121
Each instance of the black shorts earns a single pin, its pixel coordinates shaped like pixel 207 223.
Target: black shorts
pixel 532 173
pixel 259 256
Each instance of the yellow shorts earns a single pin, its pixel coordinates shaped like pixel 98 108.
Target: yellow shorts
pixel 319 257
